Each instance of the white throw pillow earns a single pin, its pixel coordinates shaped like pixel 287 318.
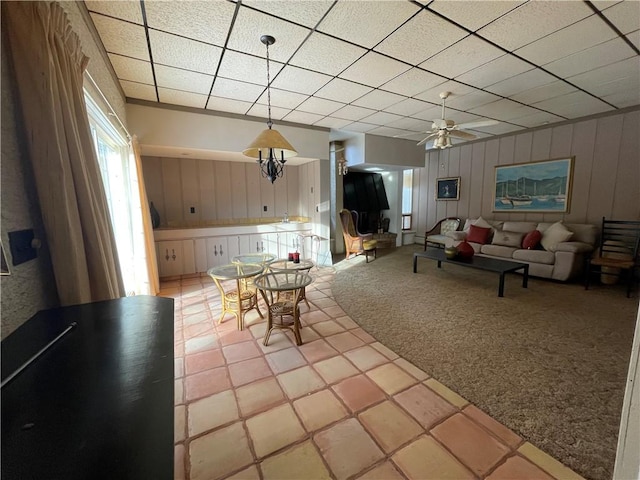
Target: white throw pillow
pixel 553 235
pixel 481 222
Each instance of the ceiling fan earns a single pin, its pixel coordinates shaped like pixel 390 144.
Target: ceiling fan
pixel 443 129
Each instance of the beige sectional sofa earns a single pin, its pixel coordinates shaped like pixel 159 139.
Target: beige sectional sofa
pixel 558 260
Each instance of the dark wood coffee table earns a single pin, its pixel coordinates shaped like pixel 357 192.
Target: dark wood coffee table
pixel 477 262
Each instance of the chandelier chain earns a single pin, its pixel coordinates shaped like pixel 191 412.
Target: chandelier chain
pixel 269 123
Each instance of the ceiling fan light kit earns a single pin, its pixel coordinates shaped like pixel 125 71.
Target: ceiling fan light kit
pixel 270 148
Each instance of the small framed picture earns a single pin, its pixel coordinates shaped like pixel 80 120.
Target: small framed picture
pixel 448 188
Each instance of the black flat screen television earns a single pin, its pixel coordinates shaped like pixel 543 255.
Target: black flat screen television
pixel 364 192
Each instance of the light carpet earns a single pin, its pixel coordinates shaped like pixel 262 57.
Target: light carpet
pixel 550 361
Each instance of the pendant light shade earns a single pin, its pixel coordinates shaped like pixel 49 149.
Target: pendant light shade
pixel 270 148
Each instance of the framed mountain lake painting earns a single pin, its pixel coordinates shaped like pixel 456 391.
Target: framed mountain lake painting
pixel 543 186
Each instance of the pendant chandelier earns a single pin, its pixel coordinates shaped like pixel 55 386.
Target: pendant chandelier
pixel 270 147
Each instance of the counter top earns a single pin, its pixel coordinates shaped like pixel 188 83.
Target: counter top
pixel 160 234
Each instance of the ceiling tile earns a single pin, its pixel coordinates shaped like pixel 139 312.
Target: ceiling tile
pixel 178 97
pixel 361 127
pixel 408 123
pixel 228 105
pixel 604 4
pixel 623 98
pixel 381 118
pixel 412 82
pixel 634 38
pixel 378 100
pixel 331 122
pixel 498 129
pixel 473 15
pixel 239 66
pixel 583 34
pixel 351 112
pixel 543 92
pixel 503 109
pixel 177 79
pixel 283 98
pixel 245 37
pixel 467 54
pixel 262 111
pixel 187 22
pixel 374 69
pixel 537 119
pixel 139 90
pixel 236 90
pixel 573 105
pixel 604 80
pixel 342 90
pixel 131 69
pixel 408 106
pixel 387 131
pixel 303 117
pixel 432 94
pixel 126 10
pixel 591 58
pixel 519 83
pixel 420 38
pixel 304 13
pixel 366 23
pixel 122 37
pixel 180 52
pixel 494 71
pixel 320 106
pixel 429 114
pixel 325 54
pixel 471 100
pixel 624 15
pixel 533 20
pixel 299 80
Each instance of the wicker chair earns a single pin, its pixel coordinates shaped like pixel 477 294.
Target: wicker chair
pixel 355 242
pixel 437 235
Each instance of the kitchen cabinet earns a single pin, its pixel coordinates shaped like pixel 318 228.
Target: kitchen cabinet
pixel 217 251
pixel 175 257
pixel 195 250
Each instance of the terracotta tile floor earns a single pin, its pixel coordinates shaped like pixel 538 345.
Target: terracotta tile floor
pixel 340 406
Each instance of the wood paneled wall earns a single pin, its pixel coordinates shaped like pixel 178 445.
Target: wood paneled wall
pixel 218 191
pixel 606 176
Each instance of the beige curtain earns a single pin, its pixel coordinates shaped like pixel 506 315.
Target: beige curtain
pixel 150 246
pixel 48 64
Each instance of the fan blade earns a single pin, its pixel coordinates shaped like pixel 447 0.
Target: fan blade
pixel 427 138
pixel 481 123
pixel 459 134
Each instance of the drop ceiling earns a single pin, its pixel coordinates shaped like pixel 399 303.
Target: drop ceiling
pixel 378 67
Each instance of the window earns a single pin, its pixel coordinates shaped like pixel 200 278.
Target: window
pixel 407 196
pixel 121 187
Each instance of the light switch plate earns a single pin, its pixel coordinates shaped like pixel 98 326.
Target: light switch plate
pixel 20 246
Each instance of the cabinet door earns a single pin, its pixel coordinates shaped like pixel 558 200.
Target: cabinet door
pixel 170 260
pixel 244 244
pixel 233 244
pixel 200 254
pixel 256 243
pixel 217 251
pixel 188 257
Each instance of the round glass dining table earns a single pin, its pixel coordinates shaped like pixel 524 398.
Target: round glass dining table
pixel 300 266
pixel 273 283
pixel 240 300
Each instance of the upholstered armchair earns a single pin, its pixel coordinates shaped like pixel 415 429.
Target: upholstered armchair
pixel 355 242
pixel 436 237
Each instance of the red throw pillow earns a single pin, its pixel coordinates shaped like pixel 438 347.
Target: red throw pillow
pixel 465 250
pixel 531 239
pixel 478 234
